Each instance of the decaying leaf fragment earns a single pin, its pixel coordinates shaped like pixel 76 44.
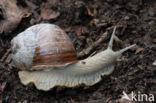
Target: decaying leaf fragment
pixel 10 15
pixel 46 12
pixel 2 87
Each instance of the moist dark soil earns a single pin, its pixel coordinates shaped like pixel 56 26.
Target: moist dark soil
pixel 85 21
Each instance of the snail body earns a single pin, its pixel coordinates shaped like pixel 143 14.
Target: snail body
pixel 46 57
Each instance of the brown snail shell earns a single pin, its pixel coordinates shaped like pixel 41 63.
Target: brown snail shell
pixel 44 45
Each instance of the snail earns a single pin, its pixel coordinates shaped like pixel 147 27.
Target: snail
pixel 46 57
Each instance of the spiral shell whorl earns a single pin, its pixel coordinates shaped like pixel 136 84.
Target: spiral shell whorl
pixel 43 44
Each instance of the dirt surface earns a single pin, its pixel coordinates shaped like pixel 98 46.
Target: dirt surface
pixel 84 21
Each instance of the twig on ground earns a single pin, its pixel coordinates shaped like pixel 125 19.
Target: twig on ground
pixel 89 50
pixel 5 55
